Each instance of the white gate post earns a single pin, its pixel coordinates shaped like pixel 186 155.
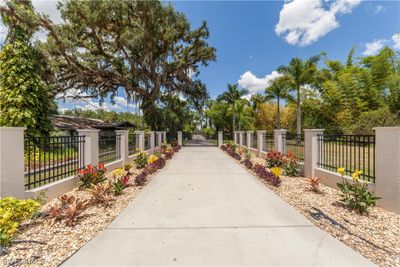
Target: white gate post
pixel 249 138
pixel 387 167
pixel 141 139
pixel 220 138
pixel 152 143
pixel 159 138
pixel 235 137
pixel 240 138
pixel 279 138
pixel 12 178
pixel 91 154
pixel 260 142
pixel 123 145
pixel 311 150
pixel 180 138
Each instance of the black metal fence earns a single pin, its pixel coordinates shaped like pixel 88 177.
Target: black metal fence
pixel 352 152
pixel 244 139
pixel 109 148
pixel 254 140
pixel 49 159
pixel 268 142
pixel 294 143
pixel 147 141
pixel 133 143
pixel 227 137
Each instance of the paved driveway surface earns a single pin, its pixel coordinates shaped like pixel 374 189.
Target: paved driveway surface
pixel 204 209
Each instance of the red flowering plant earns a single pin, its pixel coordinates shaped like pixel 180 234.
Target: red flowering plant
pixel 290 165
pixel 274 159
pixel 91 175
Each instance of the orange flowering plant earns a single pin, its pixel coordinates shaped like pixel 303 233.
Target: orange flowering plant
pixel 91 175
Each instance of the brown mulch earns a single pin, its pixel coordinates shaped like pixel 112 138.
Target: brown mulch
pixel 375 235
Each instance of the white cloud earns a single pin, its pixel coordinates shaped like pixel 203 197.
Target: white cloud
pixel 379 9
pixel 374 47
pixel 396 41
pixel 256 85
pixel 304 22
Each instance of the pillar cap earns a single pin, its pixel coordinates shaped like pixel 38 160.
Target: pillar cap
pixel 280 130
pixel 394 128
pixel 261 131
pixel 12 128
pixel 121 130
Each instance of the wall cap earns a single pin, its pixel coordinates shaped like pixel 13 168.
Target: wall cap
pixel 261 131
pixel 313 130
pixel 12 128
pixel 280 130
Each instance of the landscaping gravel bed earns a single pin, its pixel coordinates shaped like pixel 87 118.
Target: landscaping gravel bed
pixel 376 236
pixel 39 244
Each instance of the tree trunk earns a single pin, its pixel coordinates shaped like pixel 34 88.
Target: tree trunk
pixel 279 114
pixel 298 112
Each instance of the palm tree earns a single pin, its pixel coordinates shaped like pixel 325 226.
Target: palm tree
pixel 298 74
pixel 230 97
pixel 279 90
pixel 238 108
pixel 256 100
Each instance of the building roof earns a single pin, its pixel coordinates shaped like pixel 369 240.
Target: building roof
pixel 64 122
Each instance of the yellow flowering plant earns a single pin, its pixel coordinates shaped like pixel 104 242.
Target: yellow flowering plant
pixel 356 195
pixel 277 171
pixel 12 213
pixel 152 159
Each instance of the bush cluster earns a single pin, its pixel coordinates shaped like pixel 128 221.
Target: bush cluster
pixel 287 161
pixel 12 213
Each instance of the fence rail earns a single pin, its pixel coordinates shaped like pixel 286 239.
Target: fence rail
pixel 109 148
pixel 49 159
pixel 352 152
pixel 268 142
pixel 294 143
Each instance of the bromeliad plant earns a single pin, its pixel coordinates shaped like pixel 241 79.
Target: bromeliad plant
pixel 141 159
pixel 355 194
pixel 314 183
pixel 290 165
pixel 12 213
pixel 274 159
pixel 69 209
pixel 91 175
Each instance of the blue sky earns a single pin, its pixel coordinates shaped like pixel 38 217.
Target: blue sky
pixel 253 38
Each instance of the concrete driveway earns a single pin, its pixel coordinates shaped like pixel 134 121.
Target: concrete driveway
pixel 204 209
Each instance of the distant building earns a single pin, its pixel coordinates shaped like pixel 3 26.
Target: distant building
pixel 71 124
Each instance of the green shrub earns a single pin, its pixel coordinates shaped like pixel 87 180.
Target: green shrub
pixel 141 159
pixel 12 213
pixel 356 195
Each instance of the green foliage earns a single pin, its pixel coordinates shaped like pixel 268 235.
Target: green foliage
pixel 356 195
pixel 248 154
pixel 209 132
pixel 12 213
pixel 141 159
pixel 24 100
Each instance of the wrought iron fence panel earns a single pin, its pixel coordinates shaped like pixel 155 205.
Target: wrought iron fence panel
pixel 109 148
pixel 133 143
pixel 52 158
pixel 268 142
pixel 294 143
pixel 352 152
